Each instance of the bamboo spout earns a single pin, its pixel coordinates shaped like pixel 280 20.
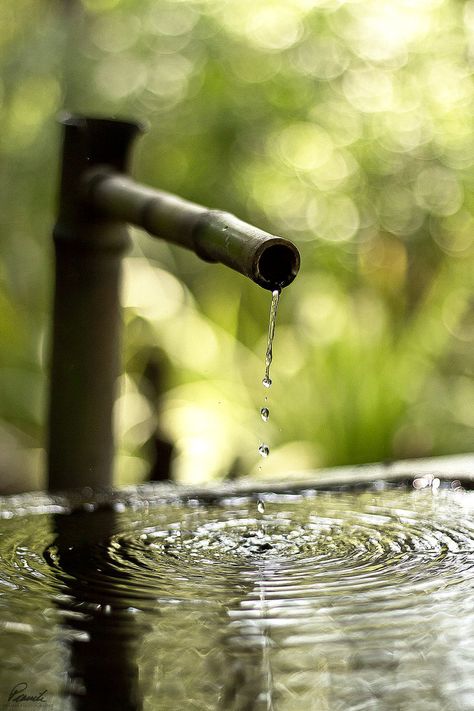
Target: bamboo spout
pixel 97 200
pixel 213 235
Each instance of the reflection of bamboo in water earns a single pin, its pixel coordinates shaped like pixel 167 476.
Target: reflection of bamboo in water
pixel 249 684
pixel 102 634
pixel 266 663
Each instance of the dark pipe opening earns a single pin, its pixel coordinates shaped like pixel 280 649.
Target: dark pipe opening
pixel 278 265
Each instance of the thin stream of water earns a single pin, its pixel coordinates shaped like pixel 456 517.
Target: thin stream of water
pixel 264 449
pixel 271 333
pixel 267 691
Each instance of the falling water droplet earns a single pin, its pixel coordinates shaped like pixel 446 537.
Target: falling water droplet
pixel 264 450
pixel 266 382
pixel 265 413
pixel 260 506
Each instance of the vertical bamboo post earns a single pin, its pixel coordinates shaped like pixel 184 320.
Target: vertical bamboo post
pixel 86 318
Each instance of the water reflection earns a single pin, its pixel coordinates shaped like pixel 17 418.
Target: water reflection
pixel 100 626
pixel 330 600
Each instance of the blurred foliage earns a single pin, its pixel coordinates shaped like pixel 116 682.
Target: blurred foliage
pixel 344 125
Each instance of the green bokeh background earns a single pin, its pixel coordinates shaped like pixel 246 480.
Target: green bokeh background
pixel 346 126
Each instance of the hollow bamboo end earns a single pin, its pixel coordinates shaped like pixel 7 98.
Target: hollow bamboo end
pixel 276 264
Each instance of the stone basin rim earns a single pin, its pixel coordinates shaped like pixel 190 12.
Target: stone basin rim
pixel 346 478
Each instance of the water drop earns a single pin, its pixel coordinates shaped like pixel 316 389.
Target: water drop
pixel 266 382
pixel 264 450
pixel 260 506
pixel 265 413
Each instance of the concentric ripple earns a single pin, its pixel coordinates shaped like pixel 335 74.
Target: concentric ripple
pixel 330 600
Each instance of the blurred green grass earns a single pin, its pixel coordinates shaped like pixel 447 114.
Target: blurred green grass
pixel 346 126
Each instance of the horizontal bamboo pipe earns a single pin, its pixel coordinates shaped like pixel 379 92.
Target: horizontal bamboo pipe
pixel 215 236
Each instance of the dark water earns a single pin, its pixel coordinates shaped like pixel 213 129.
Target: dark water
pixel 329 601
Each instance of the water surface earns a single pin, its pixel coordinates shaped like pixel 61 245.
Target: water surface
pixel 332 601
